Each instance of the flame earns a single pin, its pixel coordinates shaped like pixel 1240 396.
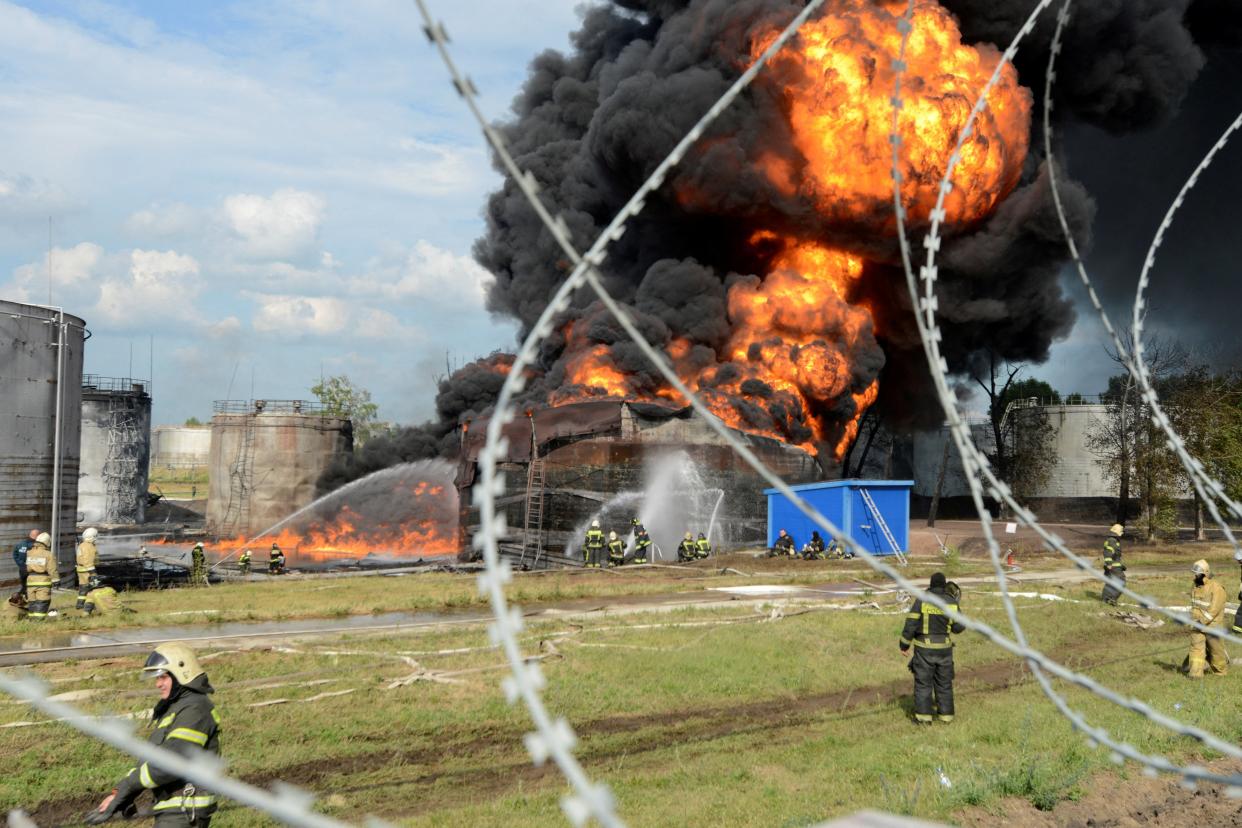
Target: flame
pixel 837 80
pixel 350 536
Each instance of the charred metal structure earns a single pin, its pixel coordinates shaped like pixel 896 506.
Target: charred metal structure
pixel 565 463
pixel 266 456
pixel 116 450
pixel 40 383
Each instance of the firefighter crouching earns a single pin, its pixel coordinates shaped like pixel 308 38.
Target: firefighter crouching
pixel 687 550
pixel 1207 606
pixel 931 632
pixel 101 598
pixel 40 575
pixel 784 546
pixel 702 546
pixel 243 562
pixel 88 554
pixel 186 723
pixel 616 550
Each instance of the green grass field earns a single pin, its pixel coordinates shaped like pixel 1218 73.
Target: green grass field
pixel 710 716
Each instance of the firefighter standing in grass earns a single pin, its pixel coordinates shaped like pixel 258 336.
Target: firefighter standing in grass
pixel 87 555
pixel 642 541
pixel 1207 606
pixel 40 575
pixel 19 557
pixel 1113 567
pixel 186 723
pixel 198 566
pixel 243 562
pixel 930 632
pixel 275 561
pixel 593 549
pixel 616 550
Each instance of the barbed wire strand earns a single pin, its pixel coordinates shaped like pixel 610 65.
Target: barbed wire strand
pixel 285 803
pixel 527 683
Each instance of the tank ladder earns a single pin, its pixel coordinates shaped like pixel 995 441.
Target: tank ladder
pixel 879 521
pixel 532 536
pixel 237 515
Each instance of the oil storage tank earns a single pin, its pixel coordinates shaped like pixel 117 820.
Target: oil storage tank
pixel 180 447
pixel 116 449
pixel 40 384
pixel 266 456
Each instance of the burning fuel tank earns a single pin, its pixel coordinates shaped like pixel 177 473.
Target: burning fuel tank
pixel 266 456
pixel 612 461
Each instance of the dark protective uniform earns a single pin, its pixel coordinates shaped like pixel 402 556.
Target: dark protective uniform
pixel 930 631
pixel 275 561
pixel 19 558
pixel 616 552
pixel 1113 568
pixel 1237 617
pixel 185 723
pixel 642 543
pixel 593 548
pixel 88 554
pixel 243 563
pixel 40 575
pixel 687 550
pixel 784 546
pixel 198 566
pixel 703 547
pixel 814 549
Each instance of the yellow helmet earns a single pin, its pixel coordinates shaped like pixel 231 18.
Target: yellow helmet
pixel 44 538
pixel 1116 530
pixel 689 536
pixel 612 536
pixel 1201 567
pixel 176 659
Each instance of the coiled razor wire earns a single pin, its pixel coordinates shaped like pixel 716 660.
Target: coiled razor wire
pixel 555 739
pixel 285 803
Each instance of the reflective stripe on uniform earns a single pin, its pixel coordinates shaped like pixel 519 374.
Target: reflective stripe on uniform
pixel 198 737
pixel 81 569
pixel 166 721
pixel 38 581
pixel 931 645
pixel 144 776
pixel 185 802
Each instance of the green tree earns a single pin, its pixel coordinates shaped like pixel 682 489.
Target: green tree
pixel 341 398
pixel 1024 452
pixel 193 421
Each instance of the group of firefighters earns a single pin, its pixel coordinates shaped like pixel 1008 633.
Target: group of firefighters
pixel 594 546
pixel 812 550
pixel 37 571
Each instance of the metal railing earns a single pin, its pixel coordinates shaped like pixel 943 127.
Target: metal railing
pixel 95 382
pixel 269 407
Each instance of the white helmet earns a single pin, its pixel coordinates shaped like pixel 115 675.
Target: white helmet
pixel 1201 567
pixel 612 536
pixel 1116 530
pixel 176 659
pixel 44 538
pixel 90 534
pixel 595 524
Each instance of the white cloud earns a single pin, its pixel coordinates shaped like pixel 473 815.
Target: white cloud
pixel 73 269
pixel 175 220
pixel 430 273
pixel 298 317
pixel 155 283
pixel 284 226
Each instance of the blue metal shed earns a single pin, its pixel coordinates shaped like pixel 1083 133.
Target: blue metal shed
pixel 844 502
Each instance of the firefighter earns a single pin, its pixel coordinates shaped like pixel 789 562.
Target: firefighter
pixel 19 557
pixel 1237 617
pixel 275 561
pixel 198 566
pixel 102 599
pixel 814 548
pixel 593 546
pixel 186 723
pixel 40 575
pixel 783 547
pixel 616 550
pixel 642 542
pixel 1113 567
pixel 1207 605
pixel 702 547
pixel 687 550
pixel 87 555
pixel 930 631
pixel 243 562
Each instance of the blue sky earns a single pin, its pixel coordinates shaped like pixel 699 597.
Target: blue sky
pixel 268 187
pixel 272 189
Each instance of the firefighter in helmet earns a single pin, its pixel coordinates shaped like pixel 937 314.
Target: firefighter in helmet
pixel 702 546
pixel 593 549
pixel 687 550
pixel 616 550
pixel 198 566
pixel 85 564
pixel 100 598
pixel 243 562
pixel 275 561
pixel 1113 567
pixel 929 630
pixel 642 542
pixel 1207 606
pixel 186 723
pixel 40 575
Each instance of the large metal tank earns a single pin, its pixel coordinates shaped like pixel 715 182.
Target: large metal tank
pixel 40 386
pixel 180 447
pixel 116 447
pixel 266 456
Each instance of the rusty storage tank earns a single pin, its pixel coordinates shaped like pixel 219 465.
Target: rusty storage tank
pixel 40 386
pixel 266 456
pixel 116 450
